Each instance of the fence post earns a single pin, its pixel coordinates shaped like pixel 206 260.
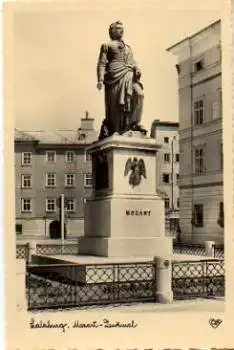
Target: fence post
pixel 163 277
pixel 20 283
pixel 209 248
pixel 32 249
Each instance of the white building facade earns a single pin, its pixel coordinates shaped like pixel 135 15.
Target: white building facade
pixel 200 135
pixel 167 173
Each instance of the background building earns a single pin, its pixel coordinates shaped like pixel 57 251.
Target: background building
pixel 167 173
pixel 48 164
pixel 200 134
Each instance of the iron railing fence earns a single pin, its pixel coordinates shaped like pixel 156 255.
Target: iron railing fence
pixel 219 252
pixel 190 249
pixel 22 251
pixel 57 249
pixel 201 278
pixel 67 285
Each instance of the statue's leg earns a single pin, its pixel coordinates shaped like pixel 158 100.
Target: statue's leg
pixel 112 109
pixel 108 109
pixel 121 117
pixel 116 111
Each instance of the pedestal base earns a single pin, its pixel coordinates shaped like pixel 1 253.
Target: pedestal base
pixel 164 298
pixel 126 247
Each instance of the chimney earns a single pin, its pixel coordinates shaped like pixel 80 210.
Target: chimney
pixel 87 123
pixel 153 128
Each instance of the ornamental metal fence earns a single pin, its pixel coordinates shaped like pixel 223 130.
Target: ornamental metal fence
pixel 190 249
pixel 203 278
pixel 57 249
pixel 67 285
pixel 22 251
pixel 219 252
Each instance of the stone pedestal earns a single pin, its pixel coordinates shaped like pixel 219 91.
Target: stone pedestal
pixel 32 249
pixel 209 247
pixel 21 301
pixel 124 217
pixel 164 292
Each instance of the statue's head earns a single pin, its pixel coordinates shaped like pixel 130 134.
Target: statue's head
pixel 116 30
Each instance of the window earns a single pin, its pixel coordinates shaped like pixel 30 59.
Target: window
pixel 69 180
pixel 198 110
pixel 221 215
pixel 69 157
pixel 198 215
pixel 26 205
pixel 26 181
pixel 50 156
pixel 199 65
pixel 50 180
pixel 19 229
pixel 88 180
pixel 166 139
pixel 177 157
pixel 217 105
pixel 219 48
pixel 87 157
pixel 221 156
pixel 178 202
pixel 166 157
pixel 50 205
pixel 167 203
pixel 70 205
pixel 220 98
pixel 81 137
pixel 177 178
pixel 178 68
pixel 27 158
pixel 199 161
pixel 166 178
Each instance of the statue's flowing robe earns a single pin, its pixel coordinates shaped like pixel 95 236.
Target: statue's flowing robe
pixel 115 68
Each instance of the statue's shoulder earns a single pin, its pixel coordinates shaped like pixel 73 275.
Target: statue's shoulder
pixel 105 47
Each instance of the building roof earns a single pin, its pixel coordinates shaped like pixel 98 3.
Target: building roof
pixel 166 125
pixel 86 134
pixel 158 122
pixel 24 136
pixel 55 137
pixel 193 35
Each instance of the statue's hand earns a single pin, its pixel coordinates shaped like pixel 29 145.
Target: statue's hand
pixel 137 73
pixel 100 85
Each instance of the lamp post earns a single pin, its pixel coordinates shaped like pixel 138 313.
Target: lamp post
pixel 62 220
pixel 172 173
pixel 172 224
pixel 61 204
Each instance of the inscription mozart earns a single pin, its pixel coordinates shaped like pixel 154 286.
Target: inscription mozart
pixel 138 212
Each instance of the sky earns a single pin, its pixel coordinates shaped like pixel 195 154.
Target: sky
pixel 56 51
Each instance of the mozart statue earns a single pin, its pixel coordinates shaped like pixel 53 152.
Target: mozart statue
pixel 118 73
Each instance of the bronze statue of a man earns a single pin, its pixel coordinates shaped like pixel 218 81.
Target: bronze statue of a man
pixel 118 72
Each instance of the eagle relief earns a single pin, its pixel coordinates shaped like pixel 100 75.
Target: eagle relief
pixel 137 168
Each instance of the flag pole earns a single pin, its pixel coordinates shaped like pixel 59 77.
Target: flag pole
pixel 62 221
